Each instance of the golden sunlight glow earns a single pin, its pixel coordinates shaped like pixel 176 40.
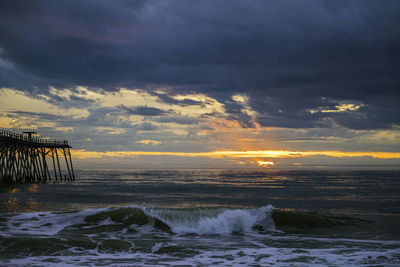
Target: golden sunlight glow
pixel 126 97
pixel 346 107
pixel 149 142
pixel 238 154
pixel 13 100
pixel 243 99
pixel 265 163
pixel 339 108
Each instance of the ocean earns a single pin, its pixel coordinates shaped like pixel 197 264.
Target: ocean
pixel 265 217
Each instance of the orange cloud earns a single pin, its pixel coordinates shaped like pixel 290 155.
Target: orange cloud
pixel 149 142
pixel 238 154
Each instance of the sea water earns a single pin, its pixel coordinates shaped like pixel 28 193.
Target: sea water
pixel 204 218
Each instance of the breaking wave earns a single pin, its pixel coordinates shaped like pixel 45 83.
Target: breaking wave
pixel 190 221
pixel 200 221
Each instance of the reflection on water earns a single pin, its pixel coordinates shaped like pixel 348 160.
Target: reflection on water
pixel 34 188
pixel 18 199
pixel 348 191
pixel 32 205
pixel 14 190
pixel 11 204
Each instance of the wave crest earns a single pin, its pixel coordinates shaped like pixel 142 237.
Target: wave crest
pixel 222 222
pixel 130 219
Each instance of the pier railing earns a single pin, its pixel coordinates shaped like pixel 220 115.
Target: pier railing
pixel 33 139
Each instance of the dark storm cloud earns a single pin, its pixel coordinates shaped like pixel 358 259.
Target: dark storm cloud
pixel 147 126
pixel 235 113
pixel 42 116
pixel 184 120
pixel 165 98
pixel 143 111
pixel 369 117
pixel 286 55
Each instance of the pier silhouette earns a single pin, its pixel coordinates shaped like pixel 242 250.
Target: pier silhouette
pixel 25 158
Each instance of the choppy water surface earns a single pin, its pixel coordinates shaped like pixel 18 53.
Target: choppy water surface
pixel 204 217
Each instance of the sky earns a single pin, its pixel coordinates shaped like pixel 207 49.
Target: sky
pixel 218 83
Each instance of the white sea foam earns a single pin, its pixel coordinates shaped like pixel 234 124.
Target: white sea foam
pixel 46 223
pixel 267 256
pixel 202 221
pixel 222 223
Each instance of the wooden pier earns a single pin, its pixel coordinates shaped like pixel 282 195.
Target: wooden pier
pixel 24 158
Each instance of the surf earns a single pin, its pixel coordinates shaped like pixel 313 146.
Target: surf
pixel 199 221
pixel 192 236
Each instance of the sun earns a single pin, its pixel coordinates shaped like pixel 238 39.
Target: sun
pixel 265 163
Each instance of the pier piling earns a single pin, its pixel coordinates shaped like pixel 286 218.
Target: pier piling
pixel 23 158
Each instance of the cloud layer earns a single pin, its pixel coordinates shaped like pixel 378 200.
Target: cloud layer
pixel 325 69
